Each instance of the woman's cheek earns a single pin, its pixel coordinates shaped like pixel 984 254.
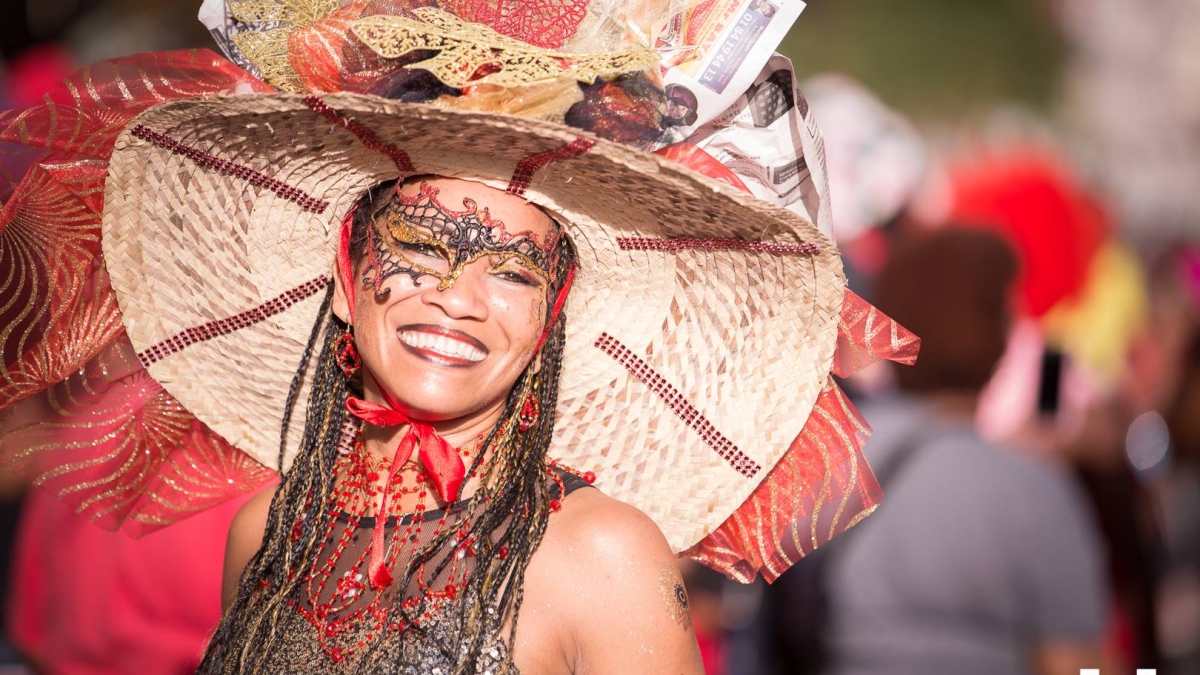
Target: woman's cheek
pixel 537 311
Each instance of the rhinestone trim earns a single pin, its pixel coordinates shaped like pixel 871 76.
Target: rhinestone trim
pixel 210 161
pixel 729 452
pixel 213 329
pixel 365 135
pixel 720 244
pixel 526 168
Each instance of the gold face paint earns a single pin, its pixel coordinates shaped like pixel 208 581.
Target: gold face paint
pixel 418 236
pixel 670 587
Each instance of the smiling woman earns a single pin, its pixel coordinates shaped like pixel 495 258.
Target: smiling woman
pixel 430 302
pixel 446 324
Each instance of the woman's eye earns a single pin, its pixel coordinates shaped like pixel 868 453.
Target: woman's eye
pixel 523 278
pixel 417 248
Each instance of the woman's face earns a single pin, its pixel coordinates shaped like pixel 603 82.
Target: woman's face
pixel 451 297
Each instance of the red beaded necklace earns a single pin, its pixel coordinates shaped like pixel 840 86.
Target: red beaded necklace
pixel 346 611
pixel 350 614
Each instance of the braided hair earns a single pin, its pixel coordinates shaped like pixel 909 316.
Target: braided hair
pixel 508 512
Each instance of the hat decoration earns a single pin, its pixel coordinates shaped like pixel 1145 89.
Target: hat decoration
pixel 152 356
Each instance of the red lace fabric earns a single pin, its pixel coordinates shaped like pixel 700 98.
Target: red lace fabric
pixel 544 23
pixel 77 410
pixel 822 486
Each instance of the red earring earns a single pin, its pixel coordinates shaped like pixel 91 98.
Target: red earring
pixel 346 353
pixel 529 412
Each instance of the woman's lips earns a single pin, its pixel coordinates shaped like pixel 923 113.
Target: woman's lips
pixel 442 345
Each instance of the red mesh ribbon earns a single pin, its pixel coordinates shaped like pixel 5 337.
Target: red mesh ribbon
pixel 85 113
pixel 867 336
pixel 822 485
pixel 327 56
pixel 79 412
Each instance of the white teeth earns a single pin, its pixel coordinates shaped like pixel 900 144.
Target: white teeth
pixel 441 345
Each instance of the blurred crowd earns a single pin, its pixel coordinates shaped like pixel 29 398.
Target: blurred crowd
pixel 1041 462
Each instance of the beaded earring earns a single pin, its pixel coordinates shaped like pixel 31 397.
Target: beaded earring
pixel 346 353
pixel 530 410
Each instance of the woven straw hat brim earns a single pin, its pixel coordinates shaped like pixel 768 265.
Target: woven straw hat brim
pixel 692 361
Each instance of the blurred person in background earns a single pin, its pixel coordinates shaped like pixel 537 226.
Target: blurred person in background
pixel 86 601
pixel 1174 466
pixel 982 559
pixel 1078 374
pixel 881 172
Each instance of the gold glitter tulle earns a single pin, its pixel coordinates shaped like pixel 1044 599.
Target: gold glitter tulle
pixel 467 51
pixel 79 413
pixel 267 49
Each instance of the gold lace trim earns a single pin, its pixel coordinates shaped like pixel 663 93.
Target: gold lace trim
pixel 463 48
pixel 267 49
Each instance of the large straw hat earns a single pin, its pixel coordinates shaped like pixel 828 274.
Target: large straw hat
pixel 700 328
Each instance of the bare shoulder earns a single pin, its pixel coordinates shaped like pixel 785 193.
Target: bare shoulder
pixel 245 537
pixel 603 531
pixel 621 597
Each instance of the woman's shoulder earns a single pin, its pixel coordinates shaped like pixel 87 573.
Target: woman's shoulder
pixel 604 570
pixel 245 537
pixel 605 550
pixel 601 530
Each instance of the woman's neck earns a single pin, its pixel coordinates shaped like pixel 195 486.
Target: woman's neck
pixel 460 432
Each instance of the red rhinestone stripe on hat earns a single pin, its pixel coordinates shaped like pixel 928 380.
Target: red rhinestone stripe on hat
pixel 523 175
pixel 210 161
pixel 365 135
pixel 722 244
pixel 212 329
pixel 686 412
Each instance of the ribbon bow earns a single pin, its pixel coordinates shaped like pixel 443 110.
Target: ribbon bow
pixel 440 459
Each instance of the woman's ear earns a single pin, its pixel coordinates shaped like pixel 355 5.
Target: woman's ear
pixel 341 302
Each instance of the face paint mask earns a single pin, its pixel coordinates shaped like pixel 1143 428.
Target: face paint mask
pixel 418 236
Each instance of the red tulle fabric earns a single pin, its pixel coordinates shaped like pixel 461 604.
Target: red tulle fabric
pixel 77 410
pixel 822 486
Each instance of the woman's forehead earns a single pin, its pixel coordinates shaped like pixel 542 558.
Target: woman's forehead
pixel 515 212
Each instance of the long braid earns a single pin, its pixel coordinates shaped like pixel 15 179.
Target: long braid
pixel 508 513
pixel 251 625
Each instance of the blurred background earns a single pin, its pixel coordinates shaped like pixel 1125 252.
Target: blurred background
pixel 1017 181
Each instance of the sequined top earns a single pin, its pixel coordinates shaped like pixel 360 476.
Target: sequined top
pixel 366 645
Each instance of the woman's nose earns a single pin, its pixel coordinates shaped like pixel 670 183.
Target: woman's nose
pixel 465 297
